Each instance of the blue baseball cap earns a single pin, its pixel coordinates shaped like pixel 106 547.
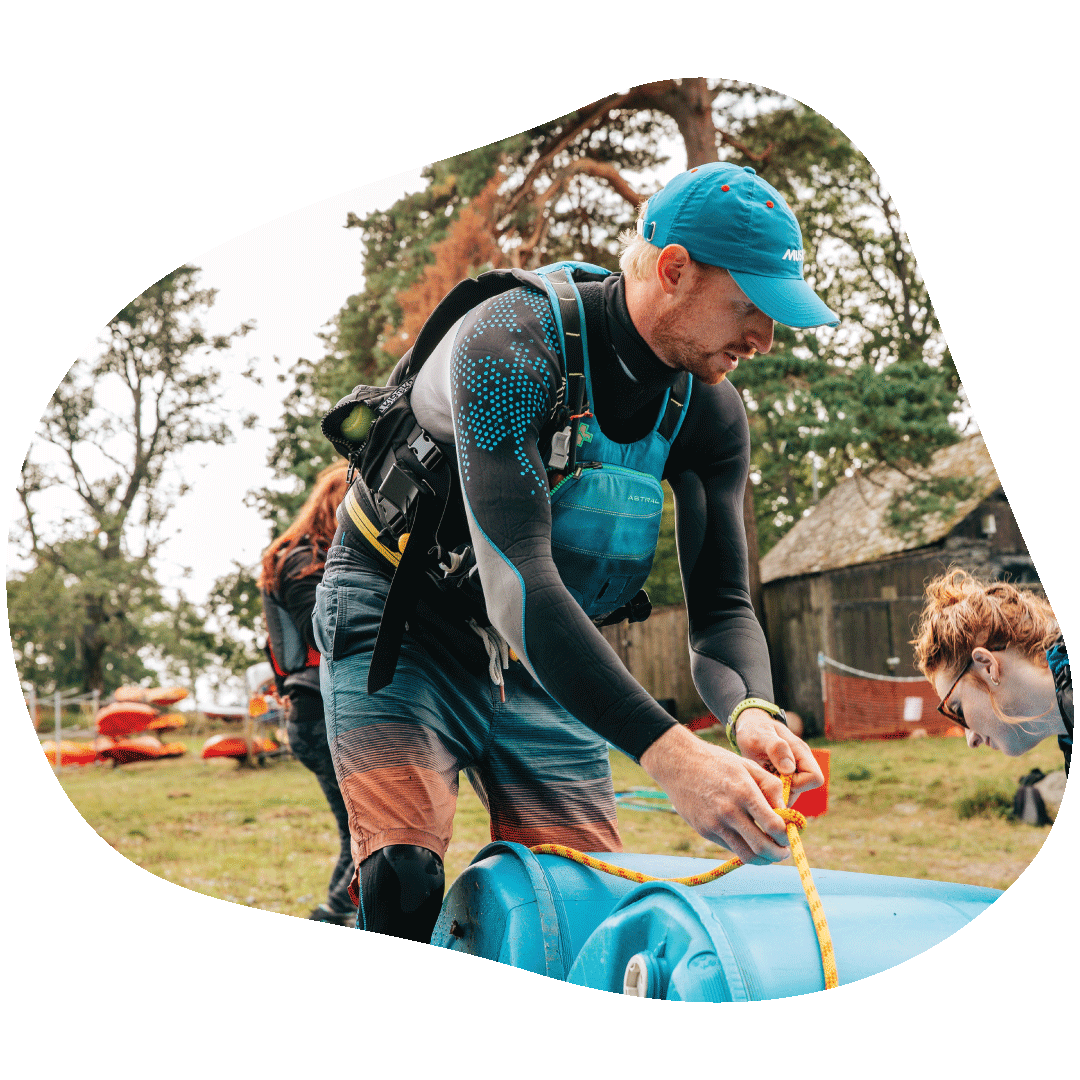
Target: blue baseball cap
pixel 727 216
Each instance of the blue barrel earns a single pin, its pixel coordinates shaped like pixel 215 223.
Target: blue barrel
pixel 747 936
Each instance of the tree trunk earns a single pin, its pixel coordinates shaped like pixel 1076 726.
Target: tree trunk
pixel 689 103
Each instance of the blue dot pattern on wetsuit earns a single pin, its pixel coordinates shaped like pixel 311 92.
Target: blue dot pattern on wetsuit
pixel 506 393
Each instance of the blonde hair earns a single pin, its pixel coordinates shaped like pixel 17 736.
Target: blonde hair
pixel 637 260
pixel 638 257
pixel 962 613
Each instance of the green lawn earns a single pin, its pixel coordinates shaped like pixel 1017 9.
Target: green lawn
pixel 265 837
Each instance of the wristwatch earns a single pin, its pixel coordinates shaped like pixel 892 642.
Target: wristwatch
pixel 751 703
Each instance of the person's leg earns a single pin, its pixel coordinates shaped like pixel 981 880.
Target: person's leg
pixel 401 891
pixel 397 754
pixel 546 777
pixel 306 729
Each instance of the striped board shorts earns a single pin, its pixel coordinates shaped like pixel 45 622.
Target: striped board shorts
pixel 543 776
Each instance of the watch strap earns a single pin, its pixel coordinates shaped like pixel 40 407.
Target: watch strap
pixel 751 703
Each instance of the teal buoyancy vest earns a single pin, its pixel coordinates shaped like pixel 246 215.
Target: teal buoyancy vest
pixel 606 509
pixel 606 514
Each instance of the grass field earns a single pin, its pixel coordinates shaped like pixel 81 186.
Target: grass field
pixel 265 837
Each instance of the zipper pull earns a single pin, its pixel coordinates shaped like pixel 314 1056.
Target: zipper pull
pixel 587 465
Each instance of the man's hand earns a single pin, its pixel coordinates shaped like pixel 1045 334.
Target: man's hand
pixel 762 738
pixel 723 797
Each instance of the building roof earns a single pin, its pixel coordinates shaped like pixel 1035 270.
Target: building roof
pixel 850 526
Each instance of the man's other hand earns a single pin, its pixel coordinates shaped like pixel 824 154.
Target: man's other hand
pixel 763 739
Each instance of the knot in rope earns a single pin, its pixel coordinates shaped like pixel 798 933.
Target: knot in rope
pixel 792 817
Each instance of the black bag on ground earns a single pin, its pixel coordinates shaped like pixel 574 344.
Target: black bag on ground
pixel 1028 805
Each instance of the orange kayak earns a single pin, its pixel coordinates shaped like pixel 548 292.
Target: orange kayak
pixel 169 722
pixel 155 695
pixel 71 753
pixel 235 747
pixel 124 718
pixel 166 695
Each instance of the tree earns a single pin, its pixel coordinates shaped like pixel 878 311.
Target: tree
pixel 111 431
pixel 881 387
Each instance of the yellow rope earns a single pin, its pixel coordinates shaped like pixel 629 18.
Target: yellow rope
pixel 794 822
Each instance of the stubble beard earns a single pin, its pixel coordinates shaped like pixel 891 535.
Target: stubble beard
pixel 680 351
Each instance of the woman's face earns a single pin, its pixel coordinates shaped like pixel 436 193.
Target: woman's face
pixel 971 700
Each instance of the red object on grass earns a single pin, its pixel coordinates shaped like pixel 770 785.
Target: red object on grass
pixel 815 803
pixel 234 746
pixel 124 718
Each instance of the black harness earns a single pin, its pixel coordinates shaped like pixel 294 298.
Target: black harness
pixel 401 501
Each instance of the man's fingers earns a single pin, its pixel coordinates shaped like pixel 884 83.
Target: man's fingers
pixel 747 841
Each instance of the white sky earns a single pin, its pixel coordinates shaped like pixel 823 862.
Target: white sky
pixel 290 276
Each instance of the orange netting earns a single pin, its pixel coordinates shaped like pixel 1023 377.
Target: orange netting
pixel 863 706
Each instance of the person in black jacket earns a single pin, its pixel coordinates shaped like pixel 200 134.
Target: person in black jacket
pixel 525 696
pixel 292 568
pixel 996 656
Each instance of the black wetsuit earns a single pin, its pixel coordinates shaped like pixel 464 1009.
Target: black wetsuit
pixel 489 389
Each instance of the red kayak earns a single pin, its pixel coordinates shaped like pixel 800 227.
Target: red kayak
pixel 124 718
pixel 234 746
pixel 141 748
pixel 71 753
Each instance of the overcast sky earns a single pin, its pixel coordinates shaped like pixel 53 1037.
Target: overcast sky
pixel 290 276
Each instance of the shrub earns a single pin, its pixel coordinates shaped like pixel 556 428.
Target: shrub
pixel 985 801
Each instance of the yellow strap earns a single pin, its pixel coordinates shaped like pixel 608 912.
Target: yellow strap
pixel 794 822
pixel 367 528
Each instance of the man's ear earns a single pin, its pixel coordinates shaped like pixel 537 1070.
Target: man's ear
pixel 672 265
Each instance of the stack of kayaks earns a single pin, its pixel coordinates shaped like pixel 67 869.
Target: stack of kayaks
pixel 138 709
pixel 134 709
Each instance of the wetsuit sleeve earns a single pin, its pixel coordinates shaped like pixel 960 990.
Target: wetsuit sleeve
pixel 504 380
pixel 707 470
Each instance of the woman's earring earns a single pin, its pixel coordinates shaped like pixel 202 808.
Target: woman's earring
pixel 994 681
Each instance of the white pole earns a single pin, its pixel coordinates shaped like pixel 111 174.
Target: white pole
pixel 56 717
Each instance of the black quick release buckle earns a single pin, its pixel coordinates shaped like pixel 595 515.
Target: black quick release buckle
pixel 637 609
pixel 427 452
pixel 400 487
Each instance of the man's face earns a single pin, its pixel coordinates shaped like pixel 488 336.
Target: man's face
pixel 710 327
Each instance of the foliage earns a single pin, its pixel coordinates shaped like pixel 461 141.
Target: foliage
pixel 881 387
pixel 987 800
pixel 47 611
pixel 100 465
pixel 217 639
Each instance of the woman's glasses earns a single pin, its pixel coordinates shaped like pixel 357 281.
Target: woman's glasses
pixel 943 705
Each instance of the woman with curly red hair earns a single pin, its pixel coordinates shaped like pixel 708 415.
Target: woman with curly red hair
pixel 995 655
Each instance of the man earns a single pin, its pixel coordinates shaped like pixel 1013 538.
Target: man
pixel 527 704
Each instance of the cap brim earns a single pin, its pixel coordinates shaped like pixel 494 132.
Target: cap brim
pixel 789 301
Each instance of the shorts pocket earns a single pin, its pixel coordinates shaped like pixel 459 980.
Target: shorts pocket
pixel 347 618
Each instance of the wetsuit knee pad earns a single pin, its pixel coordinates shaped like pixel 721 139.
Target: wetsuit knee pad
pixel 401 891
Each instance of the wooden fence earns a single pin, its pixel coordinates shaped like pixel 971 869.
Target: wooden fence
pixel 656 652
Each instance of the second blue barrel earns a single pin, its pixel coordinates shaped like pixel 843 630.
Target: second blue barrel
pixel 747 936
